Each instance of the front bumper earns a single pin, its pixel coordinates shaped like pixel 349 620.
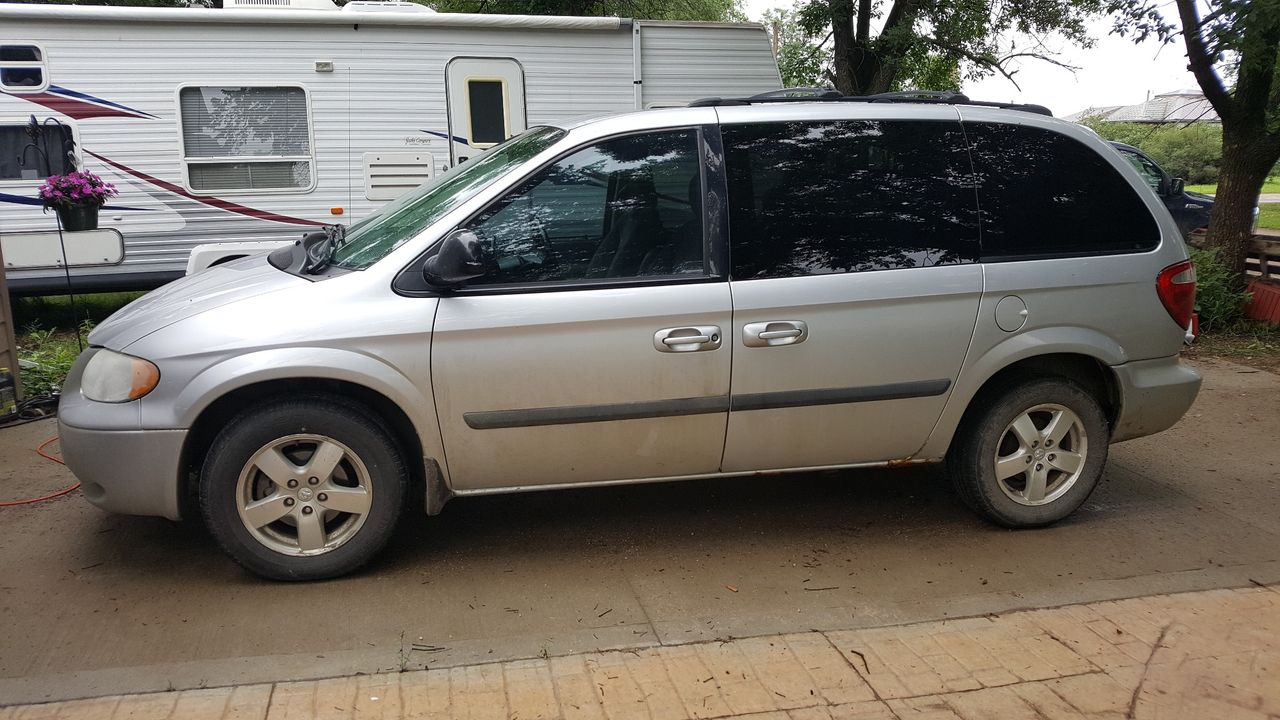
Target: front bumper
pixel 122 467
pixel 1154 394
pixel 131 472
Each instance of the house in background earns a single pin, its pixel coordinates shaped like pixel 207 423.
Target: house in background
pixel 1179 106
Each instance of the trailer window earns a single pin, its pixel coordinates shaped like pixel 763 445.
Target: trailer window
pixel 246 138
pixel 487 109
pixel 22 158
pixel 22 68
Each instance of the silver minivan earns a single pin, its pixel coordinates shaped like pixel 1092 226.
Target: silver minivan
pixel 738 286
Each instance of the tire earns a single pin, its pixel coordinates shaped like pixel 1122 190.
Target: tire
pixel 996 439
pixel 340 493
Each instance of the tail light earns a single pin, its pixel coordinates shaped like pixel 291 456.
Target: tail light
pixel 1176 286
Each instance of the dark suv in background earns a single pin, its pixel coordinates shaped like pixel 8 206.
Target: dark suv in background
pixel 1190 210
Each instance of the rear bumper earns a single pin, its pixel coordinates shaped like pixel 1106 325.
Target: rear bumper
pixel 1154 394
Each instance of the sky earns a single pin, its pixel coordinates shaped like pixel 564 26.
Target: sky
pixel 1113 72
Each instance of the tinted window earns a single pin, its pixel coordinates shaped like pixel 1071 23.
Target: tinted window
pixel 809 198
pixel 628 207
pixel 488 118
pixel 21 158
pixel 20 53
pixel 1041 193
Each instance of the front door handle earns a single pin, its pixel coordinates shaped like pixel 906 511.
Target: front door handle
pixel 774 333
pixel 687 339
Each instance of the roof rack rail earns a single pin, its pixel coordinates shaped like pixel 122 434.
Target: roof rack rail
pixel 827 95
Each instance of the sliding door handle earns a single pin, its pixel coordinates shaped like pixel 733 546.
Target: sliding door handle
pixel 774 333
pixel 684 340
pixel 687 339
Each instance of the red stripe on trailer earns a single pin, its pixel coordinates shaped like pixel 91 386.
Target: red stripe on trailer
pixel 214 202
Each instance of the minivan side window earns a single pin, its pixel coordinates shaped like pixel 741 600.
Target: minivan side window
pixel 1043 194
pixel 623 208
pixel 820 197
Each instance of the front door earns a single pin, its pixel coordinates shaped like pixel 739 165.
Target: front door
pixel 855 288
pixel 594 348
pixel 486 104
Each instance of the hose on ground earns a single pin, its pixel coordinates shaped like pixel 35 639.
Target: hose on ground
pixel 32 501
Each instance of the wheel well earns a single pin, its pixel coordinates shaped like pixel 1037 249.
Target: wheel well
pixel 1090 373
pixel 214 417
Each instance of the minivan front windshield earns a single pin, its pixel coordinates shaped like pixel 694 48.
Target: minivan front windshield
pixel 373 238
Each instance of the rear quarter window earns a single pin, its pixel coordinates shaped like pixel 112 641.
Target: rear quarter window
pixel 1043 194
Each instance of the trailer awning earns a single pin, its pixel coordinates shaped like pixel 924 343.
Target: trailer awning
pixel 105 13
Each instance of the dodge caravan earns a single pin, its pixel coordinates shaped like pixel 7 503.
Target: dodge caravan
pixel 738 286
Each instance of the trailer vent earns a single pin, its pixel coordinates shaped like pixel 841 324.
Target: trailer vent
pixel 389 175
pixel 281 4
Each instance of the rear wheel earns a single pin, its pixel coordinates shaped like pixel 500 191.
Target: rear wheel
pixel 1031 456
pixel 303 489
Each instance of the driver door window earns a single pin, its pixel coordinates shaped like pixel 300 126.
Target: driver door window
pixel 628 207
pixel 1145 168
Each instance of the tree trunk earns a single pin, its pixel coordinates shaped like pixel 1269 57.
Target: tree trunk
pixel 842 41
pixel 1247 158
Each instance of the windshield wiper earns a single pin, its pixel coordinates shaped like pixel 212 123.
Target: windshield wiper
pixel 319 253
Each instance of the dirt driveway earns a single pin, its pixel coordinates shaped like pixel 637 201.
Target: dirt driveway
pixel 95 604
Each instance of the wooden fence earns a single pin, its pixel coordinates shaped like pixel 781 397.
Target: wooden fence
pixel 1264 259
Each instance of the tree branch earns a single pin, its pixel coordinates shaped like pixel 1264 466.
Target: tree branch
pixel 902 10
pixel 864 21
pixel 986 61
pixel 1041 57
pixel 1199 60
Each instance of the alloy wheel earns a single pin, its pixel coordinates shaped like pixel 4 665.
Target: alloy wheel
pixel 1041 454
pixel 304 494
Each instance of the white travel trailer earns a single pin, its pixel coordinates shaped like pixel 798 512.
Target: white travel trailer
pixel 264 120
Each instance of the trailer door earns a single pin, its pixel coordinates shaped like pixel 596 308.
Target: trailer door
pixel 486 104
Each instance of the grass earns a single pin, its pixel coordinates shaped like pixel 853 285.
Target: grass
pixel 1272 185
pixel 47 341
pixel 63 312
pixel 46 357
pixel 1269 216
pixel 1248 342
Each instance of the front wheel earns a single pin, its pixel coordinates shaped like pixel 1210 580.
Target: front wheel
pixel 303 489
pixel 1031 456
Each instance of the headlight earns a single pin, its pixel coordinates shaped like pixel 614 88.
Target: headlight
pixel 113 377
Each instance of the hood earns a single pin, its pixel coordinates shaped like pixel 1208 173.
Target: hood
pixel 1199 197
pixel 218 286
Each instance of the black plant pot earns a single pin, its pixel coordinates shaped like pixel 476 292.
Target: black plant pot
pixel 78 217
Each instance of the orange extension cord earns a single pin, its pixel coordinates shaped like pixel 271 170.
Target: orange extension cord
pixel 32 501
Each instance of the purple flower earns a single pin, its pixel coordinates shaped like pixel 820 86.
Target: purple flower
pixel 76 188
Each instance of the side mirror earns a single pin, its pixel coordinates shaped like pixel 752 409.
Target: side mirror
pixel 457 261
pixel 1177 186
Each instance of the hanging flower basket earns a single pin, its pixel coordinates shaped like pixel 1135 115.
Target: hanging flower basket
pixel 78 217
pixel 76 197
